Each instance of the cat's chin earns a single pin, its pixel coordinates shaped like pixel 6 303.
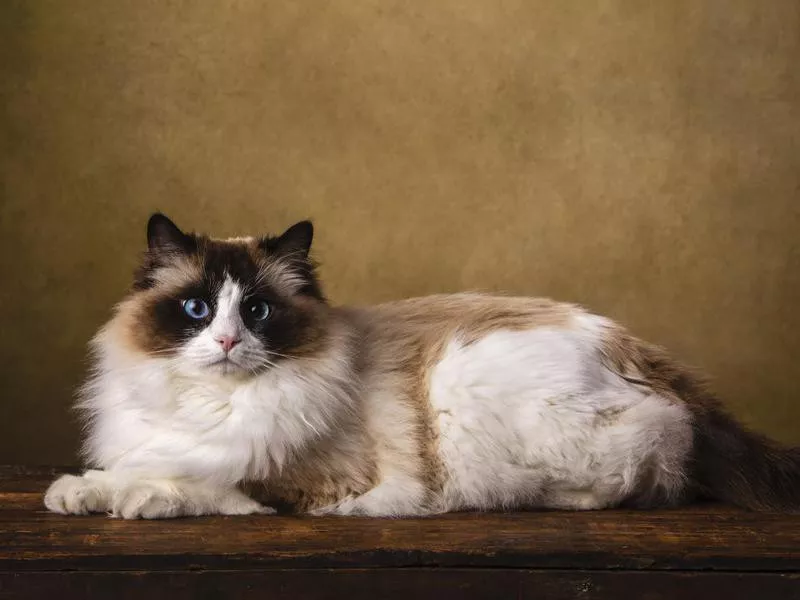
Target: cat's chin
pixel 226 367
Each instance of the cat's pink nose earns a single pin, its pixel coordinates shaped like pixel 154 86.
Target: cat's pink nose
pixel 228 342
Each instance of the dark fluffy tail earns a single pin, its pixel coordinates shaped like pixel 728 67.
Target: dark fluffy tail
pixel 743 468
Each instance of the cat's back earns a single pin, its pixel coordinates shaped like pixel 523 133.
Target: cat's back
pixel 472 336
pixel 468 316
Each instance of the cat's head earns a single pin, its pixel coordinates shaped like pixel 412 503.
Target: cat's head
pixel 232 307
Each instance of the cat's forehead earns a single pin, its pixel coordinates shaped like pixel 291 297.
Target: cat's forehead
pixel 238 258
pixel 241 260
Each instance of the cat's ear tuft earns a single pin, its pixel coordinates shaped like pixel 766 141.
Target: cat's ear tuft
pixel 295 241
pixel 293 245
pixel 164 236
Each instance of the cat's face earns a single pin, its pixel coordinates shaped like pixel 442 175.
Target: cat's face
pixel 232 307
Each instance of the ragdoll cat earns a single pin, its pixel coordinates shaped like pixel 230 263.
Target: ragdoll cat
pixel 225 373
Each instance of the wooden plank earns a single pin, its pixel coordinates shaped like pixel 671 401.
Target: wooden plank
pixel 357 584
pixel 602 541
pixel 696 538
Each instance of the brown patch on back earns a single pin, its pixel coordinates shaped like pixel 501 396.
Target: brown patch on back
pixel 471 316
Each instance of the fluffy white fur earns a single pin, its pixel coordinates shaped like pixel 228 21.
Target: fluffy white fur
pixel 525 418
pixel 534 418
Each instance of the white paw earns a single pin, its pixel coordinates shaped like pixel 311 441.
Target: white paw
pixel 148 501
pixel 74 495
pixel 322 511
pixel 239 504
pixel 256 509
pixel 345 506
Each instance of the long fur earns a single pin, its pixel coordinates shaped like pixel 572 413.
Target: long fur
pixel 422 406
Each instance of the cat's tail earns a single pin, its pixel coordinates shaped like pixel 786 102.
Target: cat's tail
pixel 728 462
pixel 735 465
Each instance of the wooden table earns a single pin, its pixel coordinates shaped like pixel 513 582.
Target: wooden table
pixel 706 551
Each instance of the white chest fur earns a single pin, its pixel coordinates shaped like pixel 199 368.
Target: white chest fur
pixel 150 419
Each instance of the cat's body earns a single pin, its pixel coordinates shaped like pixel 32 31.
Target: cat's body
pixel 422 406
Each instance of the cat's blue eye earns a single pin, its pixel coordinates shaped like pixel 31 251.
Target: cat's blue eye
pixel 195 308
pixel 258 309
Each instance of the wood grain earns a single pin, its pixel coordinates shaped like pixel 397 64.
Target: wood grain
pixel 699 538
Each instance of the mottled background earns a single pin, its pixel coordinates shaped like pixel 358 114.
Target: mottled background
pixel 641 158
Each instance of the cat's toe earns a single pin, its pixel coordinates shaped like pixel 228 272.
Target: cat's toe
pixel 74 495
pixel 321 511
pixel 239 504
pixel 343 507
pixel 54 496
pixel 144 501
pixel 259 509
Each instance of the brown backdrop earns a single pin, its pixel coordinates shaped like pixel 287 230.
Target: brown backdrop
pixel 641 158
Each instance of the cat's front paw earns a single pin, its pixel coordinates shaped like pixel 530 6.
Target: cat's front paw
pixel 75 495
pixel 148 501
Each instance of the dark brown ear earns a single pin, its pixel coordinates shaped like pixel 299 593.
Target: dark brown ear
pixel 295 241
pixel 294 245
pixel 164 236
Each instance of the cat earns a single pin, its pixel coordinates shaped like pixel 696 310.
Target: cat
pixel 225 379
